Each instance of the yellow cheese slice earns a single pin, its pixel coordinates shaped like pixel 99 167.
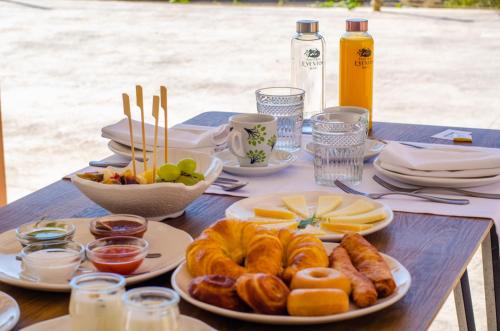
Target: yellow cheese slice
pixel 297 204
pixel 267 220
pixel 345 227
pixel 278 226
pixel 359 206
pixel 327 203
pixel 274 213
pixel 370 217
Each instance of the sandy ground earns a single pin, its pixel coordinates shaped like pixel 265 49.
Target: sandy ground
pixel 64 65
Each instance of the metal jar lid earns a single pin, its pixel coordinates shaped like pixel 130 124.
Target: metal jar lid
pixel 307 26
pixel 356 24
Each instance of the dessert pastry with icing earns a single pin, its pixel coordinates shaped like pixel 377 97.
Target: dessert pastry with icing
pixel 320 277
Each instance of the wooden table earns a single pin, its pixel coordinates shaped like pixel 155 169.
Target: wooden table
pixel 435 249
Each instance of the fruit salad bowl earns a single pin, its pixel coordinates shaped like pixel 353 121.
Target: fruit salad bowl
pixel 156 201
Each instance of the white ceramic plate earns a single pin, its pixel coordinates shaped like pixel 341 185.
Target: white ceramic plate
pixel 9 312
pixel 126 151
pixel 279 160
pixel 63 323
pixel 243 209
pixel 181 279
pixel 372 147
pixel 436 181
pixel 162 238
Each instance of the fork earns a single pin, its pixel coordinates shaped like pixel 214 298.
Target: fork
pixel 348 189
pixel 227 186
pixel 419 189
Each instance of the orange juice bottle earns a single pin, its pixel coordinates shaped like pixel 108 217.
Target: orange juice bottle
pixel 356 66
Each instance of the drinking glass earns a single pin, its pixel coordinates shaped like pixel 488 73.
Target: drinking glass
pixel 363 112
pixel 287 105
pixel 96 302
pixel 152 309
pixel 339 140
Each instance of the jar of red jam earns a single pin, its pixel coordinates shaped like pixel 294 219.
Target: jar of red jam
pixel 118 225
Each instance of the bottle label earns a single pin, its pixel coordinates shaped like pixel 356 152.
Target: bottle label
pixel 311 58
pixel 364 58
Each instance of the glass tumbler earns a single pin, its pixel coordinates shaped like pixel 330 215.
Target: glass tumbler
pixel 96 302
pixel 152 309
pixel 363 112
pixel 339 140
pixel 287 105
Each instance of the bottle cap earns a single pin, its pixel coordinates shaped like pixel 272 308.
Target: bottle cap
pixel 307 26
pixel 356 24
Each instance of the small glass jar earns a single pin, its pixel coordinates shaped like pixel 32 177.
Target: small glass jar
pixel 96 302
pixel 51 261
pixel 152 309
pixel 45 230
pixel 118 225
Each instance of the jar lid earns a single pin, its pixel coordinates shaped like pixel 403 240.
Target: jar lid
pixel 307 26
pixel 356 25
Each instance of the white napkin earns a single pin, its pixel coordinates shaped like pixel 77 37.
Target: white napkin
pixel 440 161
pixel 179 136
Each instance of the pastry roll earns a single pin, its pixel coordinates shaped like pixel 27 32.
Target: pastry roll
pixel 264 293
pixel 366 258
pixel 363 292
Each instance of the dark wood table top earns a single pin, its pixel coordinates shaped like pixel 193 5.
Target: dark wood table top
pixel 435 249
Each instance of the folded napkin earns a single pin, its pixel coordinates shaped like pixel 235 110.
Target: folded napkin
pixel 179 136
pixel 440 161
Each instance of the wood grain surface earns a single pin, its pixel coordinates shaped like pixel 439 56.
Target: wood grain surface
pixel 435 249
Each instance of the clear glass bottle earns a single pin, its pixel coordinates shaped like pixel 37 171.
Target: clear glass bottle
pixel 308 65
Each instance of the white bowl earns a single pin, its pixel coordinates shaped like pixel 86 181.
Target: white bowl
pixel 153 201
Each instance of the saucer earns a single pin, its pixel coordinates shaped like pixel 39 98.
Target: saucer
pixel 279 160
pixel 9 312
pixel 372 147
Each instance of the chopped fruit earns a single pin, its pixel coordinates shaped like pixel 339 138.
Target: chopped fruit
pixel 314 230
pixel 274 213
pixel 360 206
pixel 345 227
pixel 297 204
pixel 149 176
pixel 370 217
pixel 327 203
pixel 169 172
pixel 267 220
pixel 278 226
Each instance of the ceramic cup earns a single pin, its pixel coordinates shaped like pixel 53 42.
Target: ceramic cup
pixel 252 138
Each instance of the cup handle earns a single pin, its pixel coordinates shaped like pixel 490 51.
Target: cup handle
pixel 236 144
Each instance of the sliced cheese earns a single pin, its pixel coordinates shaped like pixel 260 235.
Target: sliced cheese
pixel 370 217
pixel 297 204
pixel 344 227
pixel 278 226
pixel 274 213
pixel 314 230
pixel 359 206
pixel 327 203
pixel 267 220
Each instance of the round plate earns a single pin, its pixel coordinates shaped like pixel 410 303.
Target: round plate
pixel 436 181
pixel 126 151
pixel 181 279
pixel 279 160
pixel 64 323
pixel 243 209
pixel 162 238
pixel 372 147
pixel 9 312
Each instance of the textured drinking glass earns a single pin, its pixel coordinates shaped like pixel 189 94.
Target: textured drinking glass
pixel 152 309
pixel 287 105
pixel 339 140
pixel 363 112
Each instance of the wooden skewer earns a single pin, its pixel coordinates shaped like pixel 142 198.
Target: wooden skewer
pixel 163 95
pixel 140 104
pixel 126 111
pixel 156 106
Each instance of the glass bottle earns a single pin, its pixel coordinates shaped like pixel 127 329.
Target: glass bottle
pixel 96 302
pixel 356 66
pixel 152 309
pixel 308 65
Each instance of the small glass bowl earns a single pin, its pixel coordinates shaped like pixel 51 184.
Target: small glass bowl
pixel 118 225
pixel 47 230
pixel 51 261
pixel 120 255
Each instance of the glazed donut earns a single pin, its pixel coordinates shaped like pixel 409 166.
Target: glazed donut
pixel 317 302
pixel 321 278
pixel 216 290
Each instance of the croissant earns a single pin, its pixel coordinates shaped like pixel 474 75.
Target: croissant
pixel 264 293
pixel 216 290
pixel 227 245
pixel 302 251
pixel 370 263
pixel 363 292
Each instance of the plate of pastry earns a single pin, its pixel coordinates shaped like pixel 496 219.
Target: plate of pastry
pixel 324 214
pixel 235 269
